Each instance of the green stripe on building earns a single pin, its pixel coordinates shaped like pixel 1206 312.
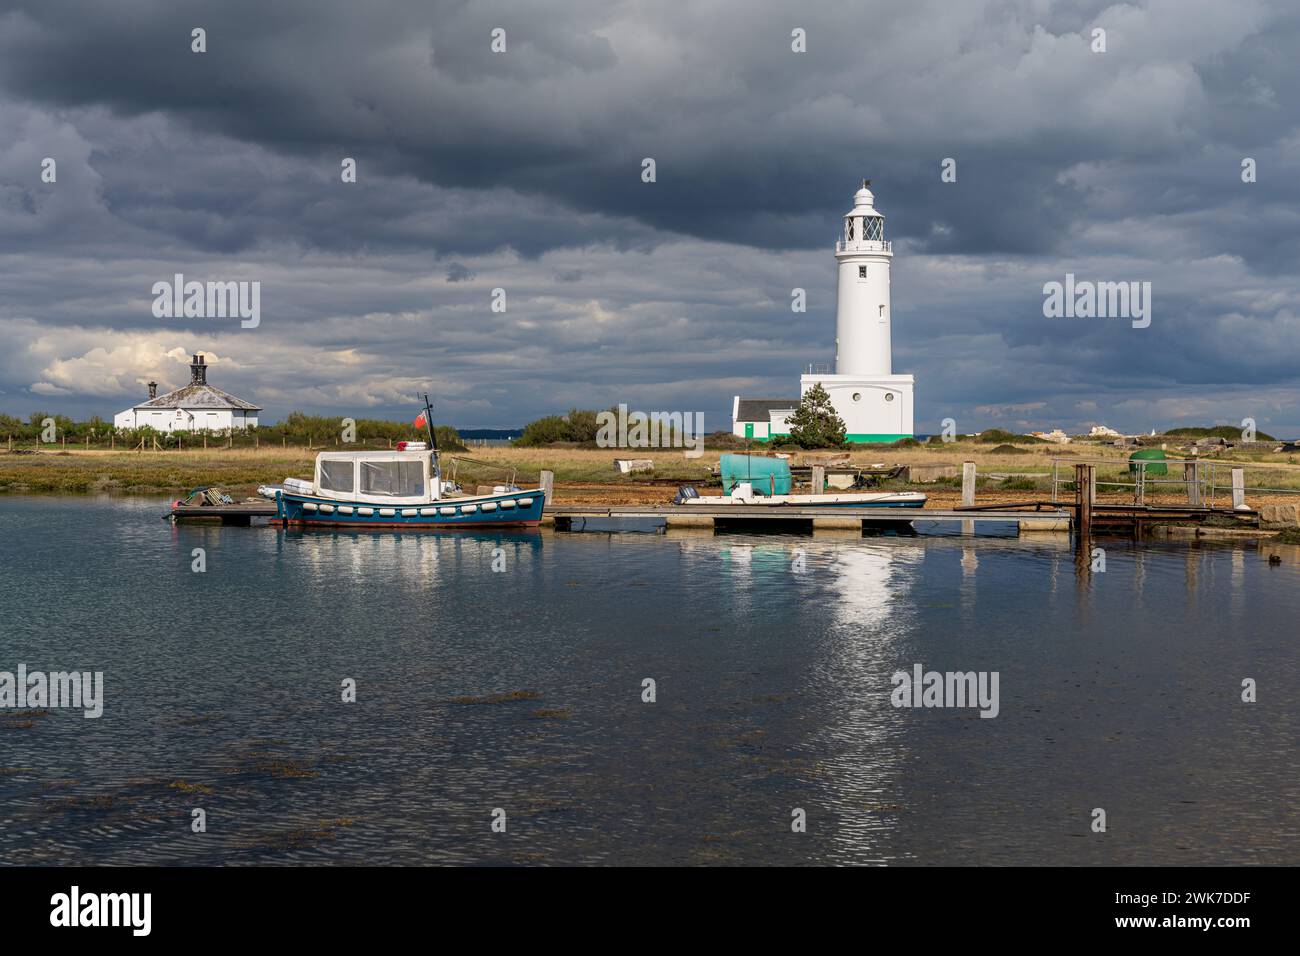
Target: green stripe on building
pixel 855 439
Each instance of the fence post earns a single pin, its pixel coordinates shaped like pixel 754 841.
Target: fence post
pixel 1239 489
pixel 967 483
pixel 548 485
pixel 818 478
pixel 1192 475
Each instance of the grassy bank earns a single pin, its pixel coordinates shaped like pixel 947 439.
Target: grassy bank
pixel 1023 470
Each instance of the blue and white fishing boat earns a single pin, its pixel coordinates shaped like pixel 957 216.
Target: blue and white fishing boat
pixel 398 489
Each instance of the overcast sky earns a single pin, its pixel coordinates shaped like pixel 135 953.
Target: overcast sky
pixel 522 170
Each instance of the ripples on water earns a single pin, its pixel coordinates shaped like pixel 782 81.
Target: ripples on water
pixel 522 690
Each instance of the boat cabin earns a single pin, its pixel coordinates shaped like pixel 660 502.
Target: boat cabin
pixel 379 477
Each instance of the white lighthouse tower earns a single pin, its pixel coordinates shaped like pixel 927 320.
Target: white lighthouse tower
pixel 876 404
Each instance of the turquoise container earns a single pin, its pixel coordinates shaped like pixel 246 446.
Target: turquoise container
pixel 769 476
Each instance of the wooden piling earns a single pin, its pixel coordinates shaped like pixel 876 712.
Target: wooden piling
pixel 967 483
pixel 818 479
pixel 548 486
pixel 1192 475
pixel 1083 478
pixel 1238 489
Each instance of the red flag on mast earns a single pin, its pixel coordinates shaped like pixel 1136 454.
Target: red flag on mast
pixel 420 420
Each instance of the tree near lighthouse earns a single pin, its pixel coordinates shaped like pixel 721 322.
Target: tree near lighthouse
pixel 815 423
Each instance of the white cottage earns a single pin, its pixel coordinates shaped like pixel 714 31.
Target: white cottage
pixel 197 406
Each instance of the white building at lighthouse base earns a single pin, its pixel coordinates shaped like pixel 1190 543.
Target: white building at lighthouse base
pixel 874 408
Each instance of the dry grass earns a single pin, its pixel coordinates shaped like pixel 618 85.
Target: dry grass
pixel 581 474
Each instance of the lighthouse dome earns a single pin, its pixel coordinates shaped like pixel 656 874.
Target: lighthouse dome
pixel 864 202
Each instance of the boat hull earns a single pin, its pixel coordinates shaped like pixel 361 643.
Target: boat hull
pixel 513 509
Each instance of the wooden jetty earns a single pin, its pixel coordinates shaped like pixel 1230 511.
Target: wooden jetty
pixel 575 517
pixel 1026 517
pixel 239 513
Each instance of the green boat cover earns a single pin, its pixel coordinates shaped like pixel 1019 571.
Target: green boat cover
pixel 769 476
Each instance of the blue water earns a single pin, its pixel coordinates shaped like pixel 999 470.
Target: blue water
pixel 522 690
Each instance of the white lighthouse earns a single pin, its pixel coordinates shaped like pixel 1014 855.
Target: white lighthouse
pixel 876 404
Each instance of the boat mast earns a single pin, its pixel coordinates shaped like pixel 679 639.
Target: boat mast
pixel 428 421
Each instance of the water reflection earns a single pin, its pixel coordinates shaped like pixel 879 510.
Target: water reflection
pixel 772 656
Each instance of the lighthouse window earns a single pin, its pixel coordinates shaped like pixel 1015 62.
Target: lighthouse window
pixel 873 228
pixel 889 396
pixel 862 272
pixel 857 396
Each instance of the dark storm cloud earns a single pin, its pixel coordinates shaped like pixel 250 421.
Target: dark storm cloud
pixel 522 170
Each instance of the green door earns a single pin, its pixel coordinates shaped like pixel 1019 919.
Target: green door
pixel 749 429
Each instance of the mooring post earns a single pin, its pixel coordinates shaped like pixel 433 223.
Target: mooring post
pixel 1092 484
pixel 1239 489
pixel 1083 478
pixel 818 478
pixel 967 483
pixel 1139 484
pixel 1192 475
pixel 548 486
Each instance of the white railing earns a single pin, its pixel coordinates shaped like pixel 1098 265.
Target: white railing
pixel 863 245
pixel 1204 481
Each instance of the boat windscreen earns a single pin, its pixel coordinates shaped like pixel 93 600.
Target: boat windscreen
pixel 335 475
pixel 397 479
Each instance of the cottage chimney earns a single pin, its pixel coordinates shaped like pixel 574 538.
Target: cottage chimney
pixel 198 371
pixel 153 389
